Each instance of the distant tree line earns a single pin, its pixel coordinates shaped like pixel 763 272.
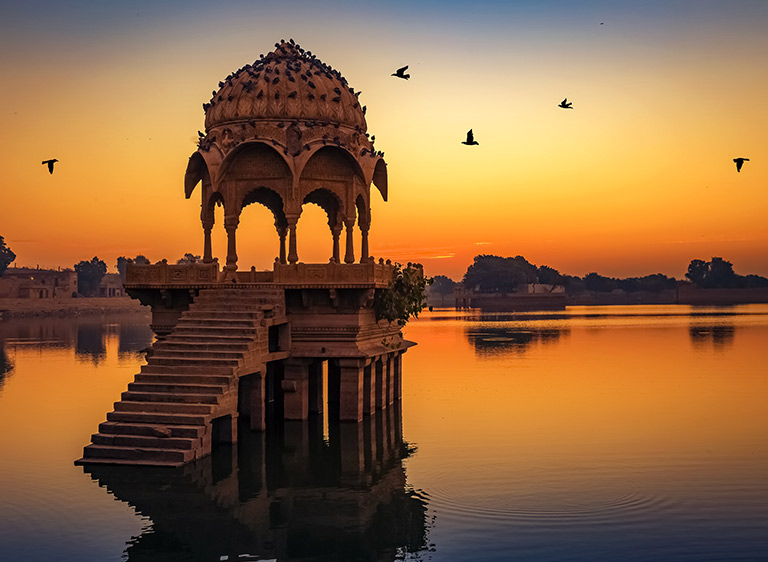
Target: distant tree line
pixel 718 274
pixel 496 274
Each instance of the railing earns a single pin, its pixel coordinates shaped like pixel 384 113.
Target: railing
pixel 333 273
pixel 309 274
pixel 163 273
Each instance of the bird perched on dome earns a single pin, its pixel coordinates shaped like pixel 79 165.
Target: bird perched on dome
pixel 470 138
pixel 565 104
pixel 400 73
pixel 739 163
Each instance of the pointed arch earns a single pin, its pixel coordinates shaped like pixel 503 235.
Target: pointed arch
pixel 197 171
pixel 380 179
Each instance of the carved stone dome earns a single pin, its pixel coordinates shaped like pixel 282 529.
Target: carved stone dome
pixel 287 84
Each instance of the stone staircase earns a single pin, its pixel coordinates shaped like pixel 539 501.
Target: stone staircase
pixel 165 417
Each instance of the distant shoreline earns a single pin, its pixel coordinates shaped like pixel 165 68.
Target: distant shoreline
pixel 68 307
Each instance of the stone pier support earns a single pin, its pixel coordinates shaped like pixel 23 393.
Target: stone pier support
pixel 352 449
pixel 351 389
pixel 398 367
pixel 369 389
pixel 295 389
pixel 316 398
pixel 255 395
pixel 389 367
pixel 381 385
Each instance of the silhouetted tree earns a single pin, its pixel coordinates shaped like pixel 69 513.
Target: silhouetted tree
pixel 122 264
pixel 89 275
pixel 598 283
pixel 188 258
pixel 494 274
pixel 549 276
pixel 6 256
pixel 714 274
pixel 442 285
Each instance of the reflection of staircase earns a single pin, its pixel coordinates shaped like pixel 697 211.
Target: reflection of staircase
pixel 190 379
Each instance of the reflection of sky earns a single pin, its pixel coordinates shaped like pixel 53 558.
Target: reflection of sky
pixel 665 95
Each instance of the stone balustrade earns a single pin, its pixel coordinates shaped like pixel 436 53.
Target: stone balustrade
pixel 165 275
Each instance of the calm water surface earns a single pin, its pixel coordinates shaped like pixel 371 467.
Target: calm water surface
pixel 601 433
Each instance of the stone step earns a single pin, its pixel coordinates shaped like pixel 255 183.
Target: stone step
pixel 202 354
pixel 158 418
pixel 205 381
pixel 198 346
pixel 187 370
pixel 181 361
pixel 183 397
pixel 152 430
pixel 163 407
pixel 124 440
pixel 127 462
pixel 208 329
pixel 136 453
pixel 214 312
pixel 191 337
pixel 206 320
pixel 175 388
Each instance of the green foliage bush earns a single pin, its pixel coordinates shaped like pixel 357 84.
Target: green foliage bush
pixel 404 297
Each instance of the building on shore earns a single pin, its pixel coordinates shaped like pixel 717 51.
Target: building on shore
pixel 36 283
pixel 531 296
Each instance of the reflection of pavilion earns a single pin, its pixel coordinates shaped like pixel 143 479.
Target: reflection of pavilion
pixel 286 494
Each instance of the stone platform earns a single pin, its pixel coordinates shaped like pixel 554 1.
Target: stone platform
pixel 258 347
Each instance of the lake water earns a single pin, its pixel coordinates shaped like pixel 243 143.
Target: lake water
pixel 598 433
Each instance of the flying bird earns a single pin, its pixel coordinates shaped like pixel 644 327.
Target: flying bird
pixel 470 138
pixel 401 73
pixel 53 160
pixel 739 163
pixel 565 104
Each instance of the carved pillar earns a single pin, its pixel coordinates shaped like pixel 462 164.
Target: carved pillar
pixel 207 246
pixel 398 368
pixel 282 232
pixel 364 227
pixel 349 257
pixel 257 402
pixel 293 255
pixel 336 232
pixel 350 390
pixel 295 389
pixel 230 225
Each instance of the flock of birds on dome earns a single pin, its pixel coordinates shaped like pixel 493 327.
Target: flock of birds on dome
pixel 260 70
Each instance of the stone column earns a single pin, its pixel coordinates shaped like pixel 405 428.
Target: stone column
pixel 336 232
pixel 230 225
pixel 364 244
pixel 316 401
pixel 257 401
pixel 390 377
pixel 282 232
pixel 293 255
pixel 381 385
pixel 352 448
pixel 207 246
pixel 349 257
pixel 295 389
pixel 369 389
pixel 350 390
pixel 398 367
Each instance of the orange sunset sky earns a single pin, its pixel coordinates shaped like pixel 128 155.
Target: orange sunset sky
pixel 638 178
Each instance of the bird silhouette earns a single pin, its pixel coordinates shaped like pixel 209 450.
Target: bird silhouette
pixel 53 160
pixel 470 138
pixel 739 163
pixel 565 104
pixel 400 73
